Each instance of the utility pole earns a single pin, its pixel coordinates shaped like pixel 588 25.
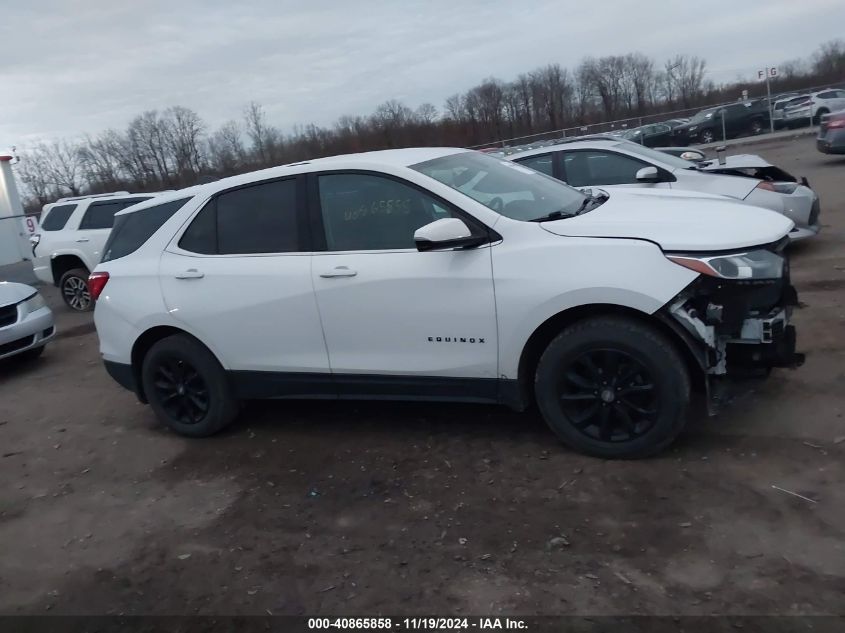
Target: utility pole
pixel 768 73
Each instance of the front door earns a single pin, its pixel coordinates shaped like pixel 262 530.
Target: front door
pixel 397 320
pixel 586 168
pixel 239 279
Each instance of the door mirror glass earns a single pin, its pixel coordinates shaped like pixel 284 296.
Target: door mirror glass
pixel 444 234
pixel 648 174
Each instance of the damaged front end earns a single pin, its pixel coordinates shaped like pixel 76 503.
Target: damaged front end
pixel 738 312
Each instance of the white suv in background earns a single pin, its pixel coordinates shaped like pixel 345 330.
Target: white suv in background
pixel 442 274
pixel 70 240
pixel 813 107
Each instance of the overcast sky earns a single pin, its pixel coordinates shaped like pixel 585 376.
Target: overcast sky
pixel 74 66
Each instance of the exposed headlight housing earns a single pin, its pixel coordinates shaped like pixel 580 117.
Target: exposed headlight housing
pixel 756 264
pixel 35 302
pixel 778 187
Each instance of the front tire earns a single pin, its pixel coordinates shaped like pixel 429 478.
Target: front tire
pixel 612 387
pixel 187 387
pixel 74 288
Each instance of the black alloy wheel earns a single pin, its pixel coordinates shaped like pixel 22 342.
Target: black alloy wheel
pixel 609 396
pixel 181 390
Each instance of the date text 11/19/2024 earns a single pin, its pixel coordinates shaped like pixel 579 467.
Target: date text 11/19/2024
pixel 417 624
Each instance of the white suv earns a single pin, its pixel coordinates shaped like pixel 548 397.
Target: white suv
pixel 813 107
pixel 441 274
pixel 71 238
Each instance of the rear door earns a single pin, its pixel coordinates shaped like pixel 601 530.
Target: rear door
pixel 95 226
pixel 239 279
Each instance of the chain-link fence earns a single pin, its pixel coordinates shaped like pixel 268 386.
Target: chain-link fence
pixel 776 110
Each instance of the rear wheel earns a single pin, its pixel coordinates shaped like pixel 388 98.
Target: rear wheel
pixel 74 288
pixel 818 118
pixel 707 136
pixel 613 387
pixel 187 388
pixel 756 127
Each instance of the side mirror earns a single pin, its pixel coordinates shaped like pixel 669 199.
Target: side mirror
pixel 648 174
pixel 444 234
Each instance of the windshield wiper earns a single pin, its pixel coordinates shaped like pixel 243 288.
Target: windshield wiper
pixel 554 215
pixel 594 200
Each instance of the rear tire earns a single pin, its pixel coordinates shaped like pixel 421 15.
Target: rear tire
pixel 818 118
pixel 74 288
pixel 187 387
pixel 756 127
pixel 612 387
pixel 707 136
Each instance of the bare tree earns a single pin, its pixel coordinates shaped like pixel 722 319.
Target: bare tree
pixel 426 114
pixel 264 136
pixel 226 152
pixel 829 59
pixel 184 133
pixel 687 76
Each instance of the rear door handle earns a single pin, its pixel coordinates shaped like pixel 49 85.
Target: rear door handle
pixel 339 271
pixel 83 239
pixel 191 273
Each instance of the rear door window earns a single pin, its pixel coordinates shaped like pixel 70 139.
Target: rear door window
pixel 133 229
pixel 100 214
pixel 260 218
pixel 57 217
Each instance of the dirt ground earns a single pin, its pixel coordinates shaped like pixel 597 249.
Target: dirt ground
pixel 366 508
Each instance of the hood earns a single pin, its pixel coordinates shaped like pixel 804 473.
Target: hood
pixel 11 293
pixel 692 222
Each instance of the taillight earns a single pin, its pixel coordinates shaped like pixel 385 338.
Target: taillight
pixel 836 124
pixel 763 184
pixel 96 283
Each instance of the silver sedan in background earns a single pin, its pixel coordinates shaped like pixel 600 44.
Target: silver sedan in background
pixel 26 323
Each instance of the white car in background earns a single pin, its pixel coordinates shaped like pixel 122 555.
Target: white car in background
pixel 813 107
pixel 607 162
pixel 442 274
pixel 70 241
pixel 26 323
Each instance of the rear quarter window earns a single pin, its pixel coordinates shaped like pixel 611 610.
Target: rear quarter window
pixel 57 217
pixel 132 230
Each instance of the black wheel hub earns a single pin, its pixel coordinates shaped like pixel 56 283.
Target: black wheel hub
pixel 608 395
pixel 181 391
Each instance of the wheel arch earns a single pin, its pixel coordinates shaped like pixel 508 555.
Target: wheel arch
pixel 61 263
pixel 693 353
pixel 143 344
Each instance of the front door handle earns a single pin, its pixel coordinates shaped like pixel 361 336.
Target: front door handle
pixel 191 273
pixel 339 271
pixel 83 239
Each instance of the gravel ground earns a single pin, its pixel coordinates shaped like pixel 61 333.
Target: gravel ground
pixel 365 508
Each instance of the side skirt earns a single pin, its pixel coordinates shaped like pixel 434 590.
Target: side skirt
pixel 258 385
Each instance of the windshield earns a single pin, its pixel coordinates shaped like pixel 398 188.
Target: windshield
pixel 702 116
pixel 654 155
pixel 512 190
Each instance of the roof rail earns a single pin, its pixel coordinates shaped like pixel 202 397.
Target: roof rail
pixel 93 195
